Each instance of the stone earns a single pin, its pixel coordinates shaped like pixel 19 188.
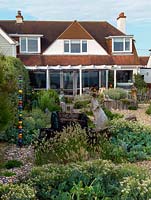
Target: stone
pixel 131 117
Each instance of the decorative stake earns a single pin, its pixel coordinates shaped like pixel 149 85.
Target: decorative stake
pixel 20 108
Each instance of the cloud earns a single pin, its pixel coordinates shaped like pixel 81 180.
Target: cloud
pixel 108 10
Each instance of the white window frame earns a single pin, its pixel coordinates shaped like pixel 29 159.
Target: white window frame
pixel 124 39
pixel 81 52
pixel 30 52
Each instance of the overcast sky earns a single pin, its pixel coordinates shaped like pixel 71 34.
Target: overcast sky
pixel 138 14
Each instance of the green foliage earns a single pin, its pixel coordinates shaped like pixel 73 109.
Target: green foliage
pixel 37 118
pixel 97 179
pixel 148 111
pixel 132 107
pixel 10 135
pixel 81 104
pixel 132 138
pixel 7 173
pixel 83 97
pixel 111 115
pixel 116 93
pixel 139 82
pixel 13 163
pixel 17 192
pixel 6 110
pixel 111 151
pixel 126 101
pixel 10 69
pixel 32 122
pixel 68 99
pixel 48 100
pixel 70 145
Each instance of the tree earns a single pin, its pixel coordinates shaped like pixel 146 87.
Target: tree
pixel 139 82
pixel 10 69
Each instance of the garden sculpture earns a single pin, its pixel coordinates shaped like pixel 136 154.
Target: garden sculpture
pixel 100 118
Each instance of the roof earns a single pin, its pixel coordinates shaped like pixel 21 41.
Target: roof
pixel 53 29
pixel 144 60
pixel 6 36
pixel 43 60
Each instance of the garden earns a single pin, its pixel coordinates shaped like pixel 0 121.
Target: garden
pixel 69 166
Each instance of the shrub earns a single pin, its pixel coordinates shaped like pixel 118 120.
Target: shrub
pixel 139 82
pixel 10 69
pixel 10 135
pixel 116 94
pixel 48 99
pixel 133 138
pixel 111 115
pixel 97 179
pixel 17 192
pixel 132 107
pixel 148 111
pixel 81 104
pixel 82 101
pixel 36 119
pixel 32 122
pixel 13 163
pixel 70 145
pixel 83 97
pixel 7 173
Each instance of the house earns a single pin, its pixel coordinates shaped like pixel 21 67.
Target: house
pixel 72 55
pixel 145 70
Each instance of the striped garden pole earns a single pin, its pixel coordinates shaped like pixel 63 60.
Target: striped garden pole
pixel 20 108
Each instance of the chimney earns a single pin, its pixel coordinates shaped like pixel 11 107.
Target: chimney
pixel 19 17
pixel 121 22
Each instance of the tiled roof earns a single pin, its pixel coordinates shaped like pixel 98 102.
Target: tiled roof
pixel 42 60
pixel 53 29
pixel 143 60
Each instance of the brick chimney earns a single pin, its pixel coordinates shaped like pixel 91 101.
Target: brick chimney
pixel 19 17
pixel 121 22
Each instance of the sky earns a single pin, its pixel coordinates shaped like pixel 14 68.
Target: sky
pixel 138 13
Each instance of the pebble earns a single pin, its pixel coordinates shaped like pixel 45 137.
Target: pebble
pixel 140 114
pixel 26 156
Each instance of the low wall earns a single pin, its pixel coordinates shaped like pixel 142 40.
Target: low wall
pixel 118 104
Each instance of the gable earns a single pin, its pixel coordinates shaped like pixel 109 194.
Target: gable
pixel 75 31
pixel 5 37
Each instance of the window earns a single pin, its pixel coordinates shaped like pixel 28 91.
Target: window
pixel 37 79
pixel 75 46
pixel 124 76
pixel 84 46
pixel 30 45
pixel 66 46
pixel 122 45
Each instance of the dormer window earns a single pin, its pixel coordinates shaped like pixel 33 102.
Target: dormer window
pixel 123 44
pixel 29 44
pixel 75 46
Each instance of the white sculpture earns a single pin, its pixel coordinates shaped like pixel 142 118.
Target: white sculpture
pixel 100 118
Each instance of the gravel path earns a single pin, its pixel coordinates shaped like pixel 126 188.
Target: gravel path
pixel 140 114
pixel 25 155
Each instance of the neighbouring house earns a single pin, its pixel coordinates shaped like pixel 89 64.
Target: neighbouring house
pixel 145 71
pixel 72 55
